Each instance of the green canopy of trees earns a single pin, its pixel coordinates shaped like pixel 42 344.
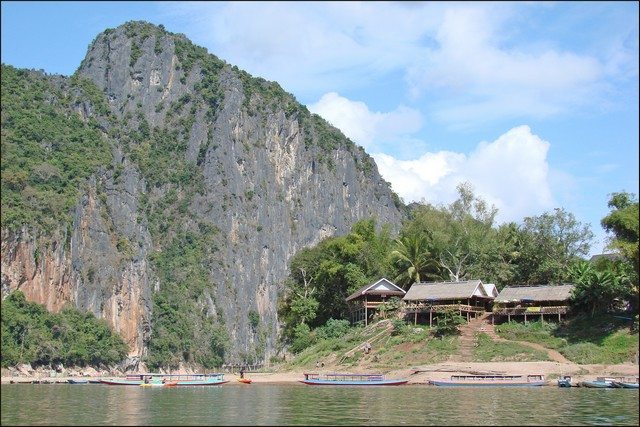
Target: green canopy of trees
pixel 460 241
pixel 30 334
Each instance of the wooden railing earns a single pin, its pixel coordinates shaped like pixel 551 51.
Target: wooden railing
pixel 521 311
pixel 422 307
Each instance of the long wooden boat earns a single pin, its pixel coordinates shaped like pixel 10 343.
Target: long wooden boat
pixel 627 382
pixel 350 379
pixel 179 379
pixel 77 381
pixel 621 384
pixel 160 384
pixel 599 382
pixel 491 381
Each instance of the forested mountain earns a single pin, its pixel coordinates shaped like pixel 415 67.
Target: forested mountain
pixel 165 191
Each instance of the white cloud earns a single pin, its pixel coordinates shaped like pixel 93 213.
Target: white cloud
pixel 475 62
pixel 310 46
pixel 488 81
pixel 511 172
pixel 372 130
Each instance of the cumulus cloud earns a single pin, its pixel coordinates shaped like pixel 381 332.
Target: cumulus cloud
pixel 371 129
pixel 511 172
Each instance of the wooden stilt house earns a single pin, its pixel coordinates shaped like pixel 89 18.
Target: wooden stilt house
pixel 425 300
pixel 364 302
pixel 529 302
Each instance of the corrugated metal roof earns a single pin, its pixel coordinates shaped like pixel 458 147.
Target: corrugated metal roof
pixel 536 293
pixel 446 290
pixel 381 287
pixel 491 289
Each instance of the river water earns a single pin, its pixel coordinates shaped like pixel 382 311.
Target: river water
pixel 299 404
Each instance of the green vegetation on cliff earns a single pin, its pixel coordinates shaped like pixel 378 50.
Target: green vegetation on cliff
pixel 48 150
pixel 30 334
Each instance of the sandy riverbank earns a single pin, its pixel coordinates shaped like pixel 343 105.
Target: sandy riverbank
pixel 416 374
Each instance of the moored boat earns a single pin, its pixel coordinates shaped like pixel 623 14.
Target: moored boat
pixel 179 379
pixel 599 382
pixel 244 380
pixel 565 381
pixel 491 381
pixel 626 383
pixel 350 379
pixel 160 384
pixel 77 381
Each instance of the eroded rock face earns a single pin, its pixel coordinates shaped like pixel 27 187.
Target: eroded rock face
pixel 274 182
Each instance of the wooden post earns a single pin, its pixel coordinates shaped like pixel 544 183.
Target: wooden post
pixel 541 317
pixel 430 316
pixel 366 318
pixel 415 318
pixel 525 317
pixel 509 317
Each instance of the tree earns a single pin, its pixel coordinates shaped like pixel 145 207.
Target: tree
pixel 623 221
pixel 465 234
pixel 412 259
pixel 549 243
pixel 597 291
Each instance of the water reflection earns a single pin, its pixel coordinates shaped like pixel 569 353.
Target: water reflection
pixel 297 404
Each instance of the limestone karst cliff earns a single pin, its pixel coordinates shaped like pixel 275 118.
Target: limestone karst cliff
pixel 213 179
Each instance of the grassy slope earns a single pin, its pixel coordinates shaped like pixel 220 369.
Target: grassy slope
pixel 581 340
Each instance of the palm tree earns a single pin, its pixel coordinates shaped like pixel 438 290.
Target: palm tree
pixel 412 259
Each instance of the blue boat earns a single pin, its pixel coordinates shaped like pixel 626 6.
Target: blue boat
pixel 599 382
pixel 178 379
pixel 565 381
pixel 626 383
pixel 350 379
pixel 491 381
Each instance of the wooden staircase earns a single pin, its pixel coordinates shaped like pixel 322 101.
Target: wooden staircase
pixel 469 338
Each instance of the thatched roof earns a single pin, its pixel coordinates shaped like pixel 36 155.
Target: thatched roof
pixel 381 287
pixel 446 291
pixel 536 293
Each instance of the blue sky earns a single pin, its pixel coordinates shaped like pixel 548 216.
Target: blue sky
pixel 534 103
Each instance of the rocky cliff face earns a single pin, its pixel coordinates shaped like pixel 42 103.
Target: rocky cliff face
pixel 199 148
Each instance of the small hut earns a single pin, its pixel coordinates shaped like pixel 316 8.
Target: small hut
pixel 532 301
pixel 364 302
pixel 470 298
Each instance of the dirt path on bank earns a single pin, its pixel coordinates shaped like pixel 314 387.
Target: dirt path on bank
pixel 420 374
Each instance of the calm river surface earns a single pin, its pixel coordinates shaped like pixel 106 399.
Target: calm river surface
pixel 299 404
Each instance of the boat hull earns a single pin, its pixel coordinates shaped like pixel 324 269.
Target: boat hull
pixel 596 384
pixel 355 383
pixel 445 383
pixel 620 384
pixel 178 383
pixel 244 380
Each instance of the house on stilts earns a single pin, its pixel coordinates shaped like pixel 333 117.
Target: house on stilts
pixel 364 303
pixel 425 300
pixel 531 302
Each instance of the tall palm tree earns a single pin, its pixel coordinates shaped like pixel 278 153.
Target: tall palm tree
pixel 412 259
